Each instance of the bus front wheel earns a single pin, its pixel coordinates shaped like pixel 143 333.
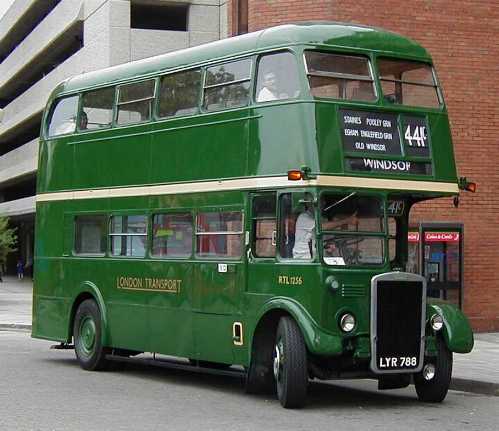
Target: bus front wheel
pixel 434 390
pixel 87 333
pixel 290 364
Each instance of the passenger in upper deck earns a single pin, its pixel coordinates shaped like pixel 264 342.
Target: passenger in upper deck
pixel 268 91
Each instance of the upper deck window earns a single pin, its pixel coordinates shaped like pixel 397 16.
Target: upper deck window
pixel 408 83
pixel 63 117
pixel 277 77
pixel 227 85
pixel 135 102
pixel 339 76
pixel 97 109
pixel 179 93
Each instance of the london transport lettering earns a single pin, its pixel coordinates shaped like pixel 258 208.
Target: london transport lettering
pixel 167 285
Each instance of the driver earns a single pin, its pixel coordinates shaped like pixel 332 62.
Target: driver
pixel 304 234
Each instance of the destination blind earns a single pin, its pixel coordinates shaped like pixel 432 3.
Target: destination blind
pixel 370 132
pixel 377 134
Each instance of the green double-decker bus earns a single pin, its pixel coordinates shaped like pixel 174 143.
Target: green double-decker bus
pixel 243 206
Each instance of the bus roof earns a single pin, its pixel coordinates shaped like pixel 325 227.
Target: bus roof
pixel 330 34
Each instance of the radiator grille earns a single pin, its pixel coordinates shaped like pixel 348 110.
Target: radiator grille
pixel 399 320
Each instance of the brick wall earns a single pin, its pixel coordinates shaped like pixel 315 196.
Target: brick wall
pixel 463 38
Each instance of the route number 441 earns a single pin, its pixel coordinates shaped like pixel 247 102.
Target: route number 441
pixel 415 137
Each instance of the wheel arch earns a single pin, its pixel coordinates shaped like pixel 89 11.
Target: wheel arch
pixel 89 290
pixel 457 332
pixel 316 340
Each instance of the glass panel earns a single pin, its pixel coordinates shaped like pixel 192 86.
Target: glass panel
pixel 277 77
pixel 135 112
pixel 264 225
pixel 334 76
pixel 219 234
pixel 297 226
pixel 172 235
pixel 219 245
pixel 128 245
pixel 90 234
pixel 63 118
pixel 413 253
pixel 408 82
pixel 321 62
pixel 351 213
pixel 227 96
pixel 97 109
pixel 129 224
pixel 352 250
pixel 339 88
pixel 228 72
pixel 179 93
pixel 228 222
pixel 136 91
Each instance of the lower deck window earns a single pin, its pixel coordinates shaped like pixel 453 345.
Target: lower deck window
pixel 90 234
pixel 172 235
pixel 219 234
pixel 128 235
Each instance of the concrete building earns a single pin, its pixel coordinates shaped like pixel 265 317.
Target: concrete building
pixel 43 42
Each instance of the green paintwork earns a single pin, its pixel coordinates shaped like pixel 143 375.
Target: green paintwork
pixel 318 341
pixel 252 141
pixel 457 330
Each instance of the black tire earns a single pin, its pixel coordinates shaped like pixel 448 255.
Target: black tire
pixel 87 333
pixel 435 390
pixel 290 364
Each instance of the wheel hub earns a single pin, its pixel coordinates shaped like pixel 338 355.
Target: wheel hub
pixel 87 334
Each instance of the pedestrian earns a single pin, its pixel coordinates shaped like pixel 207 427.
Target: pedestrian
pixel 20 269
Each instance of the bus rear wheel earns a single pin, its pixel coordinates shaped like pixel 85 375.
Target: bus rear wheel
pixel 434 389
pixel 290 364
pixel 87 333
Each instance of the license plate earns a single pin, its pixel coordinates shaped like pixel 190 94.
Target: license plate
pixel 397 362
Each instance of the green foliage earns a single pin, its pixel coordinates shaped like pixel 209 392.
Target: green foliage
pixel 8 239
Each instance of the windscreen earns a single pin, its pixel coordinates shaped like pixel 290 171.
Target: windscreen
pixel 353 229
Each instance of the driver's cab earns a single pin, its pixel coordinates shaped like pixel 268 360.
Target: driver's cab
pixel 342 229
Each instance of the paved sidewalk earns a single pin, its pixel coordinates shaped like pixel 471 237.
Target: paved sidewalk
pixel 477 371
pixel 15 303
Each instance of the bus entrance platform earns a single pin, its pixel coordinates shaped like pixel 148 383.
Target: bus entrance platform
pixel 475 372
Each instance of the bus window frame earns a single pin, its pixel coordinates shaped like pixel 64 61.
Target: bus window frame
pixel 110 234
pixel 252 231
pixel 437 86
pixel 278 256
pixel 154 99
pixel 251 79
pixel 384 234
pixel 299 74
pixel 170 211
pixel 73 217
pixel 112 124
pixel 242 234
pixel 156 116
pixel 53 105
pixel 370 62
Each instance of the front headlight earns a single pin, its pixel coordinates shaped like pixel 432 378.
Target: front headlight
pixel 437 322
pixel 347 322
